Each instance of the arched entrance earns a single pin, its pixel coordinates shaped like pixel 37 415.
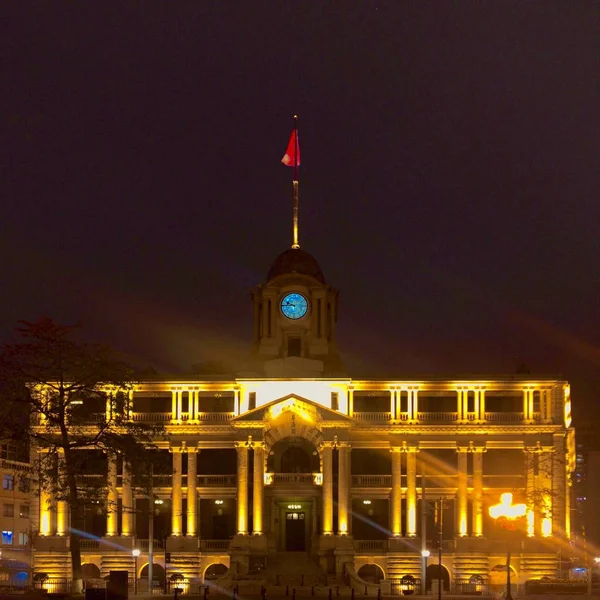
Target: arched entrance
pixel 293 455
pixel 435 573
pixel 214 571
pixel 158 574
pixel 371 573
pixel 90 571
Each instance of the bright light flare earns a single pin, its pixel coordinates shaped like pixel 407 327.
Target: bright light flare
pixel 505 508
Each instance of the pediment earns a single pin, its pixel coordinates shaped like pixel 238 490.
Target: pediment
pixel 292 403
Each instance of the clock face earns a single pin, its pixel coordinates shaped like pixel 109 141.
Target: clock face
pixel 294 306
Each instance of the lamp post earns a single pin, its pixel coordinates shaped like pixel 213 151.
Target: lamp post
pixel 505 513
pixel 135 553
pixel 424 556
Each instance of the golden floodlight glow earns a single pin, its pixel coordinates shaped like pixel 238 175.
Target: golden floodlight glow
pixel 507 509
pixel 546 527
pixel 530 523
pixel 567 406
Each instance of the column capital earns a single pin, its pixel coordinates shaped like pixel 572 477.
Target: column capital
pixel 396 449
pixel 178 449
pixel 406 448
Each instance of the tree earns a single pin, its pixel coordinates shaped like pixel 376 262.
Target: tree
pixel 68 397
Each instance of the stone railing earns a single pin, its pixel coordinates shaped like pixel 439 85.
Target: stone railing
pixel 372 416
pixel 167 416
pixel 289 478
pixel 503 416
pixel 371 480
pixel 214 545
pixel 216 480
pixel 431 417
pixel 369 546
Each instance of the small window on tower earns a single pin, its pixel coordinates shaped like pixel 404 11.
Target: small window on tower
pixel 335 403
pixel 251 400
pixel 294 345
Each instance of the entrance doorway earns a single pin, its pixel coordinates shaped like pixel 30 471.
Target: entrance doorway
pixel 295 531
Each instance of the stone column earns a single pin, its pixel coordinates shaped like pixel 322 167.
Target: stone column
pixel 173 405
pixel 45 501
pixel 242 488
pixel 393 405
pixel 396 499
pixel 127 502
pixel 530 454
pixel 481 413
pixel 560 489
pixel 192 493
pixel 478 492
pixel 343 488
pixel 459 404
pixel 411 492
pixel 62 506
pixel 112 496
pixel 462 491
pixel 350 402
pixel 327 518
pixel 258 491
pixel 176 495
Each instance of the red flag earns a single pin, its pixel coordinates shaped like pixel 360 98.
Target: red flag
pixel 291 158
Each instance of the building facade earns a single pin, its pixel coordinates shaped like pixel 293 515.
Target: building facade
pixel 15 505
pixel 364 476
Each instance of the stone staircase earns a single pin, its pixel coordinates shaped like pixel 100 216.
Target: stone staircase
pixel 294 569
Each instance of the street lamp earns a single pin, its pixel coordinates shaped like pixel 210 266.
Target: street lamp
pixel 425 554
pixel 505 513
pixel 135 553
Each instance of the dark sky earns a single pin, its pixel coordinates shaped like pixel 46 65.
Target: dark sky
pixel 450 185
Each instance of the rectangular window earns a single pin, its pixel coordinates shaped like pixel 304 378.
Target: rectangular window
pixel 335 404
pixel 251 400
pixel 294 345
pixel 8 482
pixel 8 510
pixel 24 511
pixel 7 537
pixel 24 484
pixel 23 539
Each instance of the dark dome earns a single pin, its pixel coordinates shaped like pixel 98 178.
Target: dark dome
pixel 297 261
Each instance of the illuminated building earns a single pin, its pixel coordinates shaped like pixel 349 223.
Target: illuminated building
pixel 294 454
pixel 15 549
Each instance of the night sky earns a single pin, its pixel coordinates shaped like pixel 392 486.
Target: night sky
pixel 450 179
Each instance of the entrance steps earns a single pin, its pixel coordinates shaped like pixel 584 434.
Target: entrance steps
pixel 294 569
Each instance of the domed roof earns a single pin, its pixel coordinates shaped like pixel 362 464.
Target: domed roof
pixel 297 261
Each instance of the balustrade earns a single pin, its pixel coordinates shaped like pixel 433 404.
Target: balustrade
pixel 372 416
pixel 371 545
pixel 371 480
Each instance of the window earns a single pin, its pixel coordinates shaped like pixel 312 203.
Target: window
pixel 8 482
pixel 23 539
pixel 294 345
pixel 24 511
pixel 24 484
pixel 8 510
pixel 7 537
pixel 335 403
pixel 251 400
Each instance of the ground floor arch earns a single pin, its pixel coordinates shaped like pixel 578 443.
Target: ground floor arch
pixel 90 571
pixel 371 573
pixel 214 571
pixel 158 573
pixel 435 573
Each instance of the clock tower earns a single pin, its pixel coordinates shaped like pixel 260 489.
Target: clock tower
pixel 295 313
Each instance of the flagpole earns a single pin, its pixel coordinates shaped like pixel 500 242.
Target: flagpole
pixel 295 244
